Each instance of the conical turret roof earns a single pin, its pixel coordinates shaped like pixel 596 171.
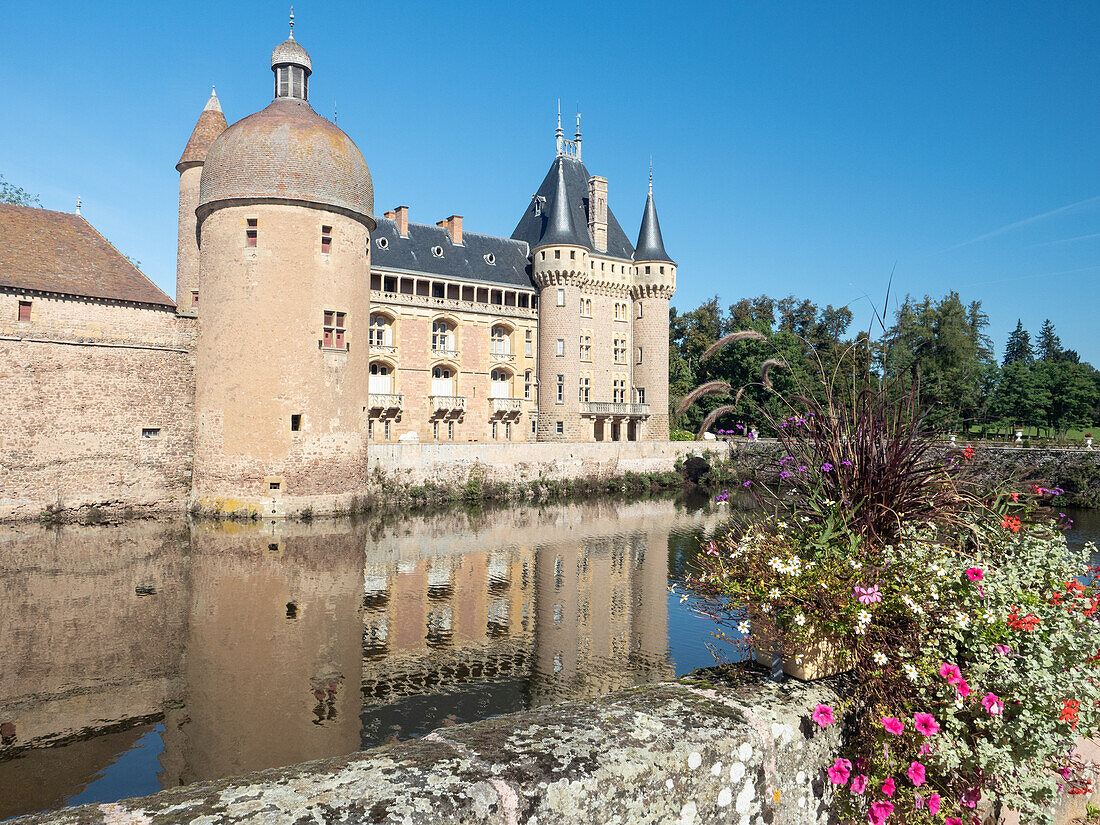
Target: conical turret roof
pixel 650 246
pixel 211 123
pixel 560 228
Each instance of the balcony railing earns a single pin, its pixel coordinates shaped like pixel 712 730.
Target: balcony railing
pixel 386 401
pixel 382 349
pixel 505 406
pixel 447 403
pixel 502 356
pixel 608 408
pixel 445 354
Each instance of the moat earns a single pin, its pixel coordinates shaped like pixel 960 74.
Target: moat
pixel 153 654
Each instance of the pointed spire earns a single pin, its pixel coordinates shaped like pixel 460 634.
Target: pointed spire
pixel 78 204
pixel 577 137
pixel 559 227
pixel 211 123
pixel 559 135
pixel 650 246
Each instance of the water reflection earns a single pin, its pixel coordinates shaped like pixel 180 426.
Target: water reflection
pixel 152 655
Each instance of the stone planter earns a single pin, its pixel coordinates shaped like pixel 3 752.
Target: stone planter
pixel 819 657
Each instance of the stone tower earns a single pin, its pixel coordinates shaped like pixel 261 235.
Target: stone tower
pixel 654 284
pixel 559 268
pixel 211 123
pixel 282 360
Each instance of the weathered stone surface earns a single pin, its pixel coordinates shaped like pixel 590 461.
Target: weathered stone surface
pixel 703 749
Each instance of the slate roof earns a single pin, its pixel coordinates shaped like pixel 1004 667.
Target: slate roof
pixel 290 51
pixel 467 262
pixel 62 253
pixel 211 123
pixel 534 228
pixel 288 151
pixel 651 246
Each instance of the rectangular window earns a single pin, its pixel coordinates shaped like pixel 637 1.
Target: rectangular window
pixel 561 389
pixel 194 298
pixel 534 426
pixel 333 333
pixel 527 385
pixel 585 390
pixel 24 310
pixel 639 355
pixel 619 350
pixel 450 431
pixel 494 431
pixel 640 393
pixel 296 423
pixel 528 343
pixel 586 347
pixel 326 239
pixel 647 270
pixel 507 430
pixel 370 430
pixel 557 254
pixel 561 297
pixel 561 428
pixel 274 485
pixel 561 347
pixel 572 254
pixel 435 430
pixel 150 432
pixel 252 232
pixel 386 432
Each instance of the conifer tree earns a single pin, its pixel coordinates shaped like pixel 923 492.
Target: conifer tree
pixel 1049 344
pixel 1018 347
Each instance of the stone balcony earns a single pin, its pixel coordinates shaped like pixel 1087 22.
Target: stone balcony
pixel 445 354
pixel 607 408
pixel 447 403
pixel 506 357
pixel 505 406
pixel 382 349
pixel 386 401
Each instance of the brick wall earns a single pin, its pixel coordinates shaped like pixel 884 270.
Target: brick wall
pixel 81 380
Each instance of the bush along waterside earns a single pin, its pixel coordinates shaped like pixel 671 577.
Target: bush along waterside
pixel 967 625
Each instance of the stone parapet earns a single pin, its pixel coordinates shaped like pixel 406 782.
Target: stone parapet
pixel 703 749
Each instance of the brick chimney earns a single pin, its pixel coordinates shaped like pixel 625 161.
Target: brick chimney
pixel 597 212
pixel 391 215
pixel 453 225
pixel 401 215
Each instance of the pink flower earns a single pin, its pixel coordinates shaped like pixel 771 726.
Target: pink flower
pixel 888 786
pixel 823 715
pixel 880 812
pixel 953 820
pixel 839 771
pixel 916 774
pixel 934 804
pixel 963 688
pixel 893 725
pixel 971 797
pixel 1004 650
pixel 975 574
pixel 859 784
pixel 925 749
pixel 950 672
pixel 993 704
pixel 925 723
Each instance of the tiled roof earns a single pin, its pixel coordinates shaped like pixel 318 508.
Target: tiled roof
pixel 287 151
pixel 531 227
pixel 59 252
pixel 211 123
pixel 651 246
pixel 469 262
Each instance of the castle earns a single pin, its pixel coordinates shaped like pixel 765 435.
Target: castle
pixel 305 328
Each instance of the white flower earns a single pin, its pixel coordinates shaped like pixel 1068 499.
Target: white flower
pixel 800 620
pixel 829 502
pixel 959 703
pixel 853 563
pixel 863 617
pixel 744 627
pixel 773 593
pixel 990 615
pixel 766 608
pixel 962 620
pixel 910 671
pixel 861 629
pixel 879 657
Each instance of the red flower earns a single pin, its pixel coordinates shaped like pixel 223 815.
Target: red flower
pixel 1069 713
pixel 1011 523
pixel 968 453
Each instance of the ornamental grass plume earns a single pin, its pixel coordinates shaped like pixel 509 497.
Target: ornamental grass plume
pixel 709 388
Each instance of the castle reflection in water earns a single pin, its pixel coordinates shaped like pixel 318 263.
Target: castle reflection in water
pixel 239 647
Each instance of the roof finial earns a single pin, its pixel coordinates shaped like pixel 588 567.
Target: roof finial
pixel 334 112
pixel 577 137
pixel 213 90
pixel 559 135
pixel 78 204
pixel 651 176
pixel 292 22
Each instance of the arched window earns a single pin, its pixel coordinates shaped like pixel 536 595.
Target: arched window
pixel 500 384
pixel 500 340
pixel 443 336
pixel 527 385
pixel 443 382
pixel 381 379
pixel 381 330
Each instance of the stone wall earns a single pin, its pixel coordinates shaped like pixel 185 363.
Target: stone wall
pixel 404 464
pixel 82 380
pixel 694 751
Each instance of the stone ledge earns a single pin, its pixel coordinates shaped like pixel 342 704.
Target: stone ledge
pixel 703 749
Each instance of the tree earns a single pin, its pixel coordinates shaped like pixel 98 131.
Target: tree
pixel 1021 399
pixel 1018 347
pixel 10 193
pixel 1049 344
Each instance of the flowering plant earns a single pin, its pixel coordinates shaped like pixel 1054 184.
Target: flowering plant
pixel 967 624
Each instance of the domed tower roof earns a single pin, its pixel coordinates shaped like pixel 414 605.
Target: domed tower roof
pixel 287 151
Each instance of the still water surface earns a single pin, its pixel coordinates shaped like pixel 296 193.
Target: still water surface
pixel 150 655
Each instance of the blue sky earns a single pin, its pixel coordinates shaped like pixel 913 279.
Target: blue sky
pixel 806 148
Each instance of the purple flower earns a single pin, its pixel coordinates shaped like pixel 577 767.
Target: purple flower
pixel 784 474
pixel 784 424
pixel 747 484
pixel 827 467
pixel 802 468
pixel 791 458
pixel 846 463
